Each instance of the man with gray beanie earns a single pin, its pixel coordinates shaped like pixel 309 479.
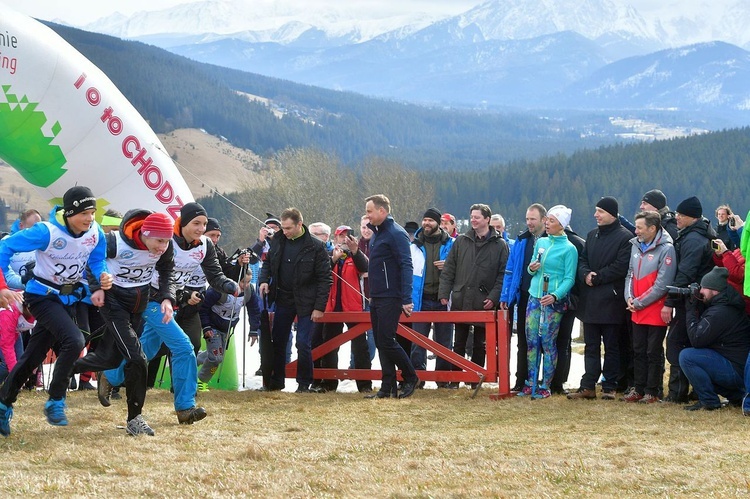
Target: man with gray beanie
pixel 719 331
pixel 694 260
pixel 430 248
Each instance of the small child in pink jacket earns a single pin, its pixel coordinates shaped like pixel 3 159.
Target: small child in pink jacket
pixel 14 319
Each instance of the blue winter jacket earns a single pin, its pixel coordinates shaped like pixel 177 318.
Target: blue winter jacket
pixel 514 270
pixel 418 282
pixel 37 237
pixel 390 270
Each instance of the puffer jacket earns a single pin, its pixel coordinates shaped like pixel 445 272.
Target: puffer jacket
pixel 649 274
pixel 474 271
pixel 722 327
pixel 694 256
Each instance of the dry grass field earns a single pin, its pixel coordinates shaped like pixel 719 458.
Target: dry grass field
pixel 435 444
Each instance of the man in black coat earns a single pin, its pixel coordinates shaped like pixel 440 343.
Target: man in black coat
pixel 297 277
pixel 602 268
pixel 694 260
pixel 719 331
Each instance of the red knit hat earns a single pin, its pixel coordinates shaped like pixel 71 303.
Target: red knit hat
pixel 158 225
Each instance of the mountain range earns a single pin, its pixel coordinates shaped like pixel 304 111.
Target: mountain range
pixel 522 54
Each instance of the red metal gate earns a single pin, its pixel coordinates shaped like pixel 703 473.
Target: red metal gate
pixel 498 344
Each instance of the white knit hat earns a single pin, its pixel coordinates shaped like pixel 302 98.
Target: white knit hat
pixel 561 213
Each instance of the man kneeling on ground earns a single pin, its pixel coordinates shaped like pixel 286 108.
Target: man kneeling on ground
pixel 719 332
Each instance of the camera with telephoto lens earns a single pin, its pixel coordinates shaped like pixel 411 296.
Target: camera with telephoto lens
pixel 693 289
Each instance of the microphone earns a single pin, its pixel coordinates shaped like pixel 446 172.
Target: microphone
pixel 539 255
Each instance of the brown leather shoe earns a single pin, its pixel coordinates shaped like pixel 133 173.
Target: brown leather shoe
pixel 582 393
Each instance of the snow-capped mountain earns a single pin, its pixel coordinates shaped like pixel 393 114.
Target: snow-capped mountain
pixel 667 23
pixel 705 76
pixel 279 21
pixel 523 53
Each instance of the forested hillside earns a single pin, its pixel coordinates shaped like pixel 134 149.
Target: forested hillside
pixel 715 167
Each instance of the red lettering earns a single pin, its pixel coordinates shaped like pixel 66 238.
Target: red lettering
pixel 93 96
pixel 138 160
pixel 107 114
pixel 130 140
pixel 148 173
pixel 115 125
pixel 174 209
pixel 80 81
pixel 165 194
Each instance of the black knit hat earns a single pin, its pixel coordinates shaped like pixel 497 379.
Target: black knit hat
pixel 272 220
pixel 655 198
pixel 190 211
pixel 434 214
pixel 716 279
pixel 411 227
pixel 609 204
pixel 691 207
pixel 212 224
pixel 78 199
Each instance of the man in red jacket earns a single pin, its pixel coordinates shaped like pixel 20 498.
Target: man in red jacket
pixel 653 265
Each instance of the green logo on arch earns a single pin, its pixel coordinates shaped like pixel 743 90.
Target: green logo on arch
pixel 23 144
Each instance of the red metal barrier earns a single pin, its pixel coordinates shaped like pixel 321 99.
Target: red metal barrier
pixel 498 342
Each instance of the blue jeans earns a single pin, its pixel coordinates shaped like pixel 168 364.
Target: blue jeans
pixel 746 400
pixel 710 374
pixel 183 364
pixel 443 335
pixel 282 324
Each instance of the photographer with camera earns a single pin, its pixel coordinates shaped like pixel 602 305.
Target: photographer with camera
pixel 694 260
pixel 719 331
pixel 271 226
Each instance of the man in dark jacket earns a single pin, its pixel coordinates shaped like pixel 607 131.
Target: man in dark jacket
pixel 602 267
pixel 391 273
pixel 472 277
pixel 719 331
pixel 297 277
pixel 694 260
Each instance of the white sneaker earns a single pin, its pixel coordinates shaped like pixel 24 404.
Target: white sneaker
pixel 137 426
